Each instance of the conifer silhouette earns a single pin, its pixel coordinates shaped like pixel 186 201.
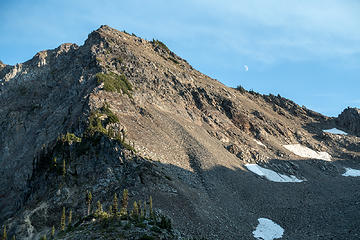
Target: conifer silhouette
pixel 63 220
pixel 64 168
pixel 151 212
pixel 53 232
pixel 70 218
pixel 4 234
pixel 124 203
pixel 88 201
pixel 115 205
pixel 135 211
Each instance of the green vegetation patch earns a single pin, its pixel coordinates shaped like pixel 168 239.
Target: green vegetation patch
pixel 241 89
pixel 95 124
pixel 127 146
pixel 70 138
pixel 158 43
pixel 115 83
pixel 112 118
pixel 98 122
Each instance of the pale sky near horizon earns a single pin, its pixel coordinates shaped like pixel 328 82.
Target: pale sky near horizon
pixel 307 51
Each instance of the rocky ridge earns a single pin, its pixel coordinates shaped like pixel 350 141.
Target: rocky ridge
pixel 349 119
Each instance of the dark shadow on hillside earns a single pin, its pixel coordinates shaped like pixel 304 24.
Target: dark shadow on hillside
pixel 325 206
pixel 222 203
pixel 317 127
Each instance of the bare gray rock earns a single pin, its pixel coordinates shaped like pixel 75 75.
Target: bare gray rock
pixel 349 120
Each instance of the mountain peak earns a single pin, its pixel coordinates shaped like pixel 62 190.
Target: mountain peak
pixel 106 28
pixel 104 33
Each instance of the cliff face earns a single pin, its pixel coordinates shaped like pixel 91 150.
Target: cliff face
pixel 40 99
pixel 349 119
pixel 123 112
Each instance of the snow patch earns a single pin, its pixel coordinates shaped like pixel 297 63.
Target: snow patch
pixel 335 131
pixel 351 173
pixel 270 174
pixel 306 152
pixel 259 143
pixel 268 230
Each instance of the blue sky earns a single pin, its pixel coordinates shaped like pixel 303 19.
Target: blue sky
pixel 306 50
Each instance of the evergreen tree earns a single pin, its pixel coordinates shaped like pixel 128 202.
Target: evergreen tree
pixel 63 220
pixel 99 208
pixel 88 201
pixel 165 223
pixel 64 168
pixel 111 211
pixel 124 203
pixel 145 206
pixel 151 208
pixel 135 211
pixel 115 205
pixel 99 205
pixel 142 215
pixel 99 213
pixel 53 232
pixel 70 218
pixel 4 234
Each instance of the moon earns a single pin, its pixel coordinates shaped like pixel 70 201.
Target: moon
pixel 246 68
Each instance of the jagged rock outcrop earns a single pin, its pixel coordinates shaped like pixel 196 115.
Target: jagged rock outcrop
pixel 123 112
pixel 2 65
pixel 349 119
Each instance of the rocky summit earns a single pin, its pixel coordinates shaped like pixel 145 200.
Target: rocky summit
pixel 120 138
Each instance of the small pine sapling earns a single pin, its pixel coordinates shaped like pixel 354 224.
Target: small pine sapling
pixel 53 232
pixel 70 218
pixel 111 211
pixel 64 168
pixel 63 220
pixel 4 234
pixel 151 212
pixel 142 214
pixel 145 211
pixel 115 205
pixel 124 203
pixel 88 201
pixel 98 207
pixel 135 211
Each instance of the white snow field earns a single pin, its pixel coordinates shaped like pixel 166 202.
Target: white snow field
pixel 259 143
pixel 351 173
pixel 306 152
pixel 270 174
pixel 335 131
pixel 267 230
